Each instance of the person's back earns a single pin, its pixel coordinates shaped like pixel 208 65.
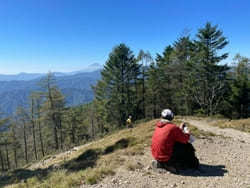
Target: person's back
pixel 170 147
pixel 164 138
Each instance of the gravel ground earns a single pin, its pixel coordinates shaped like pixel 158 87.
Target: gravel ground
pixel 225 163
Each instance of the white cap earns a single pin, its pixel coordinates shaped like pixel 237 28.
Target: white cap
pixel 167 114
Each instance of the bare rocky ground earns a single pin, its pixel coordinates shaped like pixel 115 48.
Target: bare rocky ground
pixel 225 163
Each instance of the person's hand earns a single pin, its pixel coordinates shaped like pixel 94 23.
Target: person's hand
pixel 182 125
pixel 186 130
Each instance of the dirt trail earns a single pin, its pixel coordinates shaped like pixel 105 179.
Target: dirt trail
pixel 227 132
pixel 225 161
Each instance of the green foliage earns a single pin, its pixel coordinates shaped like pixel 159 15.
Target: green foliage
pixel 188 77
pixel 76 89
pixel 117 88
pixel 209 78
pixel 240 87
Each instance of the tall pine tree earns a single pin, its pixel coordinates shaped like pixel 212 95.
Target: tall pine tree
pixel 118 83
pixel 208 76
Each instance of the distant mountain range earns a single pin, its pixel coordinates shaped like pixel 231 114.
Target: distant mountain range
pixel 30 76
pixel 16 89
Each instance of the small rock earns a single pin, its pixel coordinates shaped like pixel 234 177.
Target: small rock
pixel 114 181
pixel 139 164
pixel 174 185
pixel 148 167
pixel 182 182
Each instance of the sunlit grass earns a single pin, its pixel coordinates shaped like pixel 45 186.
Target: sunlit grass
pixel 93 162
pixel 241 124
pixel 222 122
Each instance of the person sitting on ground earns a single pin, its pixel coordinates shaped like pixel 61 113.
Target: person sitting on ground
pixel 129 122
pixel 170 145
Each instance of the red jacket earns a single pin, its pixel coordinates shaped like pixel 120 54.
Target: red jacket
pixel 164 137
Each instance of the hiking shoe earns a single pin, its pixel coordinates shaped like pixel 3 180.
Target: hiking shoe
pixel 157 167
pixel 171 169
pixel 156 164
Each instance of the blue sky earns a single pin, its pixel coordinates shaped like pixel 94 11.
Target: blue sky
pixel 68 35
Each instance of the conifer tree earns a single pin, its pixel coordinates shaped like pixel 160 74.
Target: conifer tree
pixel 208 76
pixel 24 120
pixel 14 141
pixel 118 84
pixel 53 106
pixel 33 124
pixel 145 59
pixel 3 144
pixel 179 68
pixel 159 92
pixel 240 95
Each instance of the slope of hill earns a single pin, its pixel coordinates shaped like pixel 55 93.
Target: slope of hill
pixel 123 159
pixel 76 88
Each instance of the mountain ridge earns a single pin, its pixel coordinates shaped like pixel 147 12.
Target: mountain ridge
pixel 24 76
pixel 76 88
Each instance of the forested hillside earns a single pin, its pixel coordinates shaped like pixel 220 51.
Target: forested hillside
pixel 76 89
pixel 189 77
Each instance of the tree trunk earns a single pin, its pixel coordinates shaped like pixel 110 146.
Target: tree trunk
pixel 40 131
pixel 92 124
pixel 122 116
pixel 136 99
pixel 33 128
pixel 143 93
pixel 15 156
pixel 7 155
pixel 25 143
pixel 154 107
pixel 53 115
pixel 55 132
pixel 73 132
pixel 61 133
pixel 2 160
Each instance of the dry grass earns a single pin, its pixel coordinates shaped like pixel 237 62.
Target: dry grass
pixel 200 133
pixel 92 162
pixel 241 124
pixel 195 131
pixel 133 165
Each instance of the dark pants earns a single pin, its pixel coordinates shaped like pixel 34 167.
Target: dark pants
pixel 183 157
pixel 129 125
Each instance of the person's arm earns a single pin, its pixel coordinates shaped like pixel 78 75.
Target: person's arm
pixel 180 136
pixel 182 126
